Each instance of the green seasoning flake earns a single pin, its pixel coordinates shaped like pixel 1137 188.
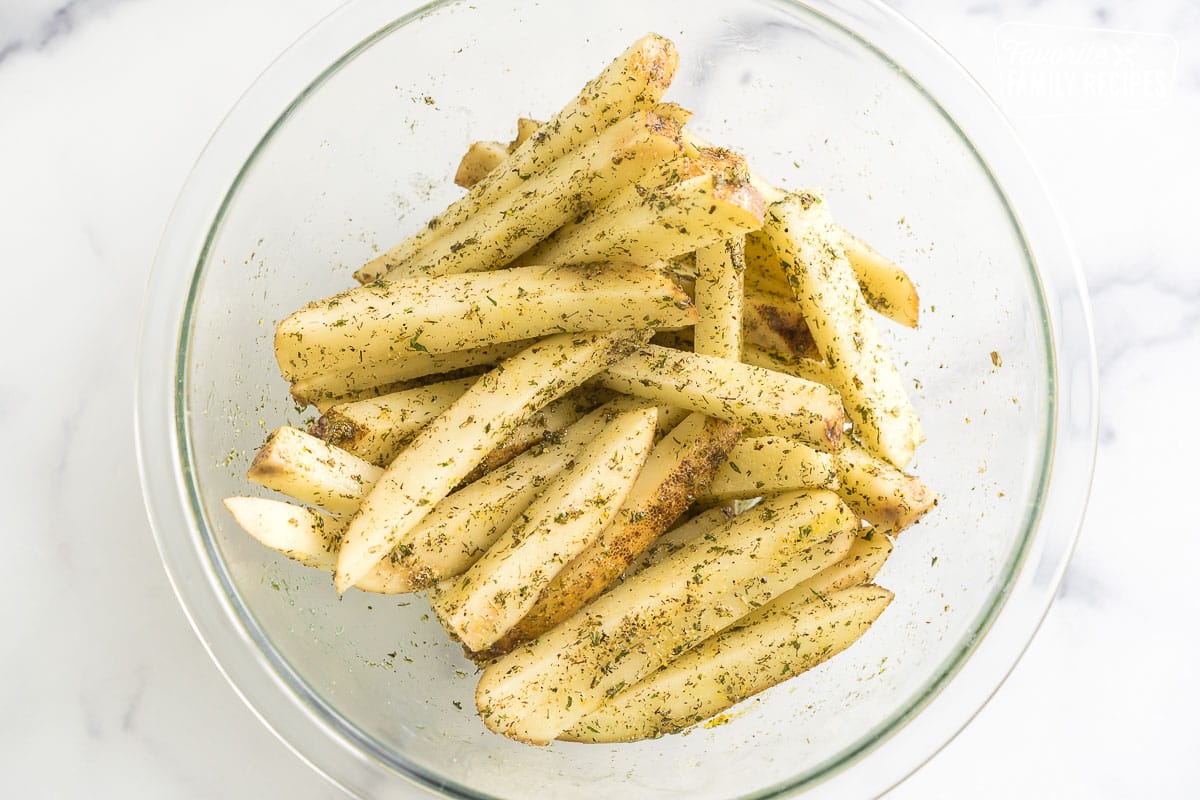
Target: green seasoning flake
pixel 414 344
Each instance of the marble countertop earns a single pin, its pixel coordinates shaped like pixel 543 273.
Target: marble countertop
pixel 104 104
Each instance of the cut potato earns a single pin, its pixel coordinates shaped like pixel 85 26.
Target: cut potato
pixel 706 203
pixel 674 540
pixel 886 288
pixel 312 471
pixel 764 465
pixel 676 471
pixel 382 322
pixel 878 492
pixel 487 600
pixel 306 536
pixel 480 159
pixel 328 389
pixel 762 401
pixel 541 690
pixel 832 303
pixel 635 80
pixel 377 429
pixel 719 299
pixel 446 451
pixel 778 641
pixel 483 157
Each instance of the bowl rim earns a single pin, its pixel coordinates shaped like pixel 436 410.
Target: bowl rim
pixel 306 724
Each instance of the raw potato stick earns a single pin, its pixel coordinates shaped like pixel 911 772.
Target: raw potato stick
pixel 679 537
pixel 635 80
pixel 861 563
pixel 719 300
pixel 766 465
pixel 480 159
pixel 878 492
pixel 705 206
pixel 311 470
pixel 763 402
pixel 384 321
pixel 837 315
pixel 446 451
pixel 483 157
pixel 535 693
pixel 306 536
pixel 887 288
pixel 327 389
pixel 488 599
pixel 678 468
pixel 377 429
pixel 778 641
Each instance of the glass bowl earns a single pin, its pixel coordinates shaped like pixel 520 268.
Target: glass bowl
pixel 350 140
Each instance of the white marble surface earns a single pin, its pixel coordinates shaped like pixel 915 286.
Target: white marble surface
pixel 107 693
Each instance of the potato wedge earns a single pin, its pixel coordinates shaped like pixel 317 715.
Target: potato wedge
pixel 860 565
pixel 762 401
pixel 456 442
pixel 635 80
pixel 833 305
pixel 705 205
pixel 527 127
pixel 480 159
pixel 489 598
pixel 679 537
pixel 377 429
pixel 483 157
pixel 878 492
pixel 306 536
pixel 327 389
pixel 678 468
pixel 887 288
pixel 538 691
pixel 719 299
pixel 385 321
pixel 776 642
pixel 312 471
pixel 764 465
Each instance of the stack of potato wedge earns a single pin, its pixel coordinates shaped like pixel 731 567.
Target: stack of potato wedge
pixel 622 410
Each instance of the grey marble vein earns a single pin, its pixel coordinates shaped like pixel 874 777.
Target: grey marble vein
pixel 34 24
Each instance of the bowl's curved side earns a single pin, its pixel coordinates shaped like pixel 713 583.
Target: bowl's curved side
pixel 279 697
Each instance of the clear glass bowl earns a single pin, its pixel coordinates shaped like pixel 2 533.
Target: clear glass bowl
pixel 349 140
